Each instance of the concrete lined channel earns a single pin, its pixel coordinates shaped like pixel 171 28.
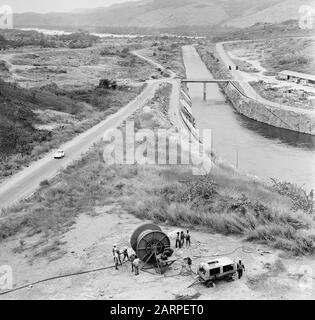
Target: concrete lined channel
pixel 256 148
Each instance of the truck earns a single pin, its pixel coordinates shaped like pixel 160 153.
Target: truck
pixel 217 269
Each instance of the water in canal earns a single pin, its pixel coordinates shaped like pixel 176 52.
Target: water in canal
pixel 258 149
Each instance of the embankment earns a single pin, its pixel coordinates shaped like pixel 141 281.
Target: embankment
pixel 277 117
pixel 185 105
pixel 285 117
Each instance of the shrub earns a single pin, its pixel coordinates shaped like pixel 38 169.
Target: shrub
pixel 301 200
pixel 198 191
pixel 107 84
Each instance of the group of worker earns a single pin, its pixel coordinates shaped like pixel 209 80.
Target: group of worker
pixel 180 240
pixel 181 237
pixel 135 261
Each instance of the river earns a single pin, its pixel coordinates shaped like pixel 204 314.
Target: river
pixel 52 32
pixel 253 147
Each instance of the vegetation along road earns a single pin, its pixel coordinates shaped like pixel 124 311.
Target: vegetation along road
pixel 27 181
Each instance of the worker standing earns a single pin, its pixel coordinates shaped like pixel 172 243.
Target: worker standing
pixel 240 269
pixel 132 258
pixel 114 249
pixel 182 238
pixel 178 243
pixel 116 253
pixel 116 260
pixel 187 238
pixel 135 266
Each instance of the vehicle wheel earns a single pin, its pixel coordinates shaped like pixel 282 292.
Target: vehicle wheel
pixel 210 284
pixel 229 278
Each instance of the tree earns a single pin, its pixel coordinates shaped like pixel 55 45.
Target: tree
pixel 108 84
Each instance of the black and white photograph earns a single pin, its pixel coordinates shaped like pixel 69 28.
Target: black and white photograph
pixel 157 150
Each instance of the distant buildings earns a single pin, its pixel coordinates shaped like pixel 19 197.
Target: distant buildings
pixel 297 77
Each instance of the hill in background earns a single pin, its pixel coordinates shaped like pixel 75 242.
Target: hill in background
pixel 171 14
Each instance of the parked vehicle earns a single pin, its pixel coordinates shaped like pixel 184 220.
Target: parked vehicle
pixel 223 268
pixel 59 154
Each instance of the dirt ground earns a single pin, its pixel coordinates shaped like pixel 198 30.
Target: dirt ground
pixel 254 57
pixel 88 245
pixel 68 68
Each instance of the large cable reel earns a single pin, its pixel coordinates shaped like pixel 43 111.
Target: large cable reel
pixel 148 241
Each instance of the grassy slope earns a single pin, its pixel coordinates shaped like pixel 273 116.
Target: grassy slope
pixel 296 54
pixel 263 31
pixel 21 143
pixel 290 54
pixel 224 202
pixel 168 53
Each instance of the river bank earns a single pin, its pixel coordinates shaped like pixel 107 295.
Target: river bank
pixel 253 147
pixel 249 103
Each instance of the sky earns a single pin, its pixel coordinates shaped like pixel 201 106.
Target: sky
pixel 43 6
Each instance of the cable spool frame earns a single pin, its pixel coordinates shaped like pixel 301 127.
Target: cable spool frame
pixel 151 241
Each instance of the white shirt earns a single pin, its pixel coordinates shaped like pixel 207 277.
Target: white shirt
pixel 136 262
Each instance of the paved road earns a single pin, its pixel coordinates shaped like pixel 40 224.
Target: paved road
pixel 248 89
pixel 25 183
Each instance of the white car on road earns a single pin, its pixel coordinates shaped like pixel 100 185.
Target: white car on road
pixel 59 154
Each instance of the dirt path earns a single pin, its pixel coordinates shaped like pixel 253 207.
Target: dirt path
pixel 256 76
pixel 248 89
pixel 89 243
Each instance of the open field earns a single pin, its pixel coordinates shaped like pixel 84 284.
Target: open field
pixel 16 38
pixel 74 68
